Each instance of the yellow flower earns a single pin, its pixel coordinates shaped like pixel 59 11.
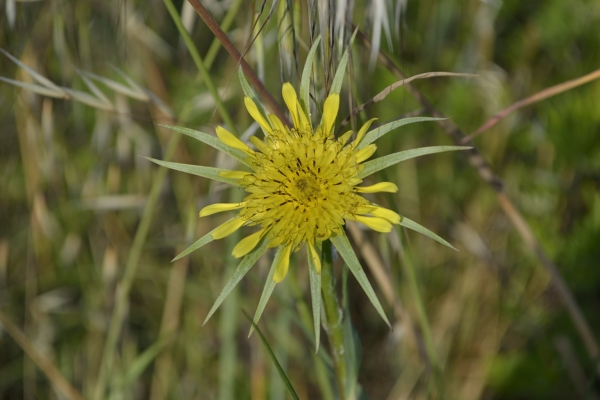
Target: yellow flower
pixel 303 184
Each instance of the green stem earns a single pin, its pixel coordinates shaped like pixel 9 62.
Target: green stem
pixel 333 319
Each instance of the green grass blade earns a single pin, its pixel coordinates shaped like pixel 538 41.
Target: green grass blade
pixel 383 162
pixel 352 342
pixel 196 245
pixel 35 88
pixel 142 361
pixel 282 374
pixel 383 129
pixel 268 289
pixel 210 140
pixel 305 80
pixel 315 295
pixel 241 270
pixel 342 244
pixel 198 170
pixel 418 228
pixel 338 79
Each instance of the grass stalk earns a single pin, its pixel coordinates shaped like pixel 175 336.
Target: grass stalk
pixel 333 319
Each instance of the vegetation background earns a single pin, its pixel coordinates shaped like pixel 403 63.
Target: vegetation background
pixel 88 227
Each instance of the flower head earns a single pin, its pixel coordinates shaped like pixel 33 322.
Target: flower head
pixel 303 184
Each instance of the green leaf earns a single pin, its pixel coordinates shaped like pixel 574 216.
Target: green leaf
pixel 416 227
pixel 197 244
pixel 315 294
pixel 205 172
pixel 353 348
pixel 305 80
pixel 383 162
pixel 210 140
pixel 268 289
pixel 383 129
pixel 139 365
pixel 336 85
pixel 241 270
pixel 280 370
pixel 343 246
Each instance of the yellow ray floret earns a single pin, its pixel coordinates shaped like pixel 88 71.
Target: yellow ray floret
pixel 247 244
pixel 378 187
pixel 227 228
pixel 230 140
pixel 220 207
pixel 253 111
pixel 390 215
pixel 375 223
pixel 284 262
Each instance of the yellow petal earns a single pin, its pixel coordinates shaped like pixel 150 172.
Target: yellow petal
pixel 253 110
pixel 365 153
pixel 283 265
pixel 230 140
pixel 276 123
pixel 330 110
pixel 227 228
pixel 220 207
pixel 390 215
pixel 260 145
pixel 234 174
pixel 378 187
pixel 247 244
pixel 291 101
pixel 363 130
pixel 315 256
pixel 375 223
pixel 344 138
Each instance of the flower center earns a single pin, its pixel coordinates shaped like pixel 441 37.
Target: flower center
pixel 305 189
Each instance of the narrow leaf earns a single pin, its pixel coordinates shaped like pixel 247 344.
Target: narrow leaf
pixel 383 129
pixel 383 162
pixel 36 88
pixel 136 93
pixel 241 270
pixel 211 141
pixel 268 289
pixel 416 227
pixel 280 370
pixel 39 78
pixel 88 99
pixel 336 85
pixel 97 92
pixel 315 294
pixel 343 246
pixel 305 80
pixel 196 245
pixel 206 172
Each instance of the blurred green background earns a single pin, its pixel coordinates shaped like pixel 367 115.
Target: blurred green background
pixel 73 191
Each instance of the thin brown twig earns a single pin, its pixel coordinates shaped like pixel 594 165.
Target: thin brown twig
pixel 54 375
pixel 235 54
pixel 484 170
pixel 385 92
pixel 539 96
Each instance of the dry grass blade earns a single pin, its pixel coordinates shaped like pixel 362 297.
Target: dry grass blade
pixel 544 94
pixel 54 375
pixel 385 92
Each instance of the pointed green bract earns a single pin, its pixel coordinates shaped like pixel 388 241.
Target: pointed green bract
pixel 212 141
pixel 280 370
pixel 336 85
pixel 198 170
pixel 305 81
pixel 241 270
pixel 342 244
pixel 383 162
pixel 197 244
pixel 421 229
pixel 268 289
pixel 378 132
pixel 315 294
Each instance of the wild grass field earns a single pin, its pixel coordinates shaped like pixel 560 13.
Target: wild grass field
pixel 91 304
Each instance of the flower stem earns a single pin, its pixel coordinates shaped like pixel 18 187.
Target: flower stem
pixel 333 319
